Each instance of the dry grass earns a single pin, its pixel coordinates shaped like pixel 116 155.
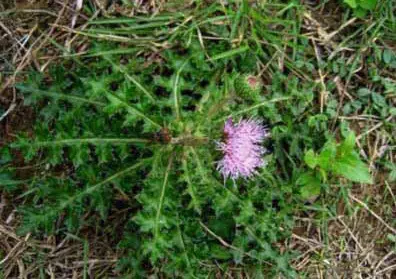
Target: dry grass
pixel 353 246
pixel 24 257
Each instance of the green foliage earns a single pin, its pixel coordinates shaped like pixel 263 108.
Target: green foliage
pixel 120 131
pixel 339 159
pixel 342 160
pixel 133 126
pixel 361 7
pixel 7 179
pixel 248 87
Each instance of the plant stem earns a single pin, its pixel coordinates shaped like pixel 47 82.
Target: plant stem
pixel 161 201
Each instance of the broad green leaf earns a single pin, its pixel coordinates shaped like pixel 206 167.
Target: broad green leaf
pixel 311 159
pixel 368 4
pixel 387 56
pixel 310 185
pixel 347 146
pixel 378 99
pixel 352 168
pixel 351 3
pixel 327 155
pixel 360 12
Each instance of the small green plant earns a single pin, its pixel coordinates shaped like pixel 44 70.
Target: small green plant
pixel 248 86
pixel 338 159
pixel 361 7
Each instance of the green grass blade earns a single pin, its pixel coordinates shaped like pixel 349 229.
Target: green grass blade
pixel 111 52
pixel 230 53
pixel 137 19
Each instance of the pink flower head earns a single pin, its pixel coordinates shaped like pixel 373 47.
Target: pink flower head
pixel 242 150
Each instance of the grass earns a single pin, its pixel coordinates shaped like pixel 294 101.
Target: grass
pixel 160 76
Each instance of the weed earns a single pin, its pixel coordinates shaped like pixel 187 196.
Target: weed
pixel 130 128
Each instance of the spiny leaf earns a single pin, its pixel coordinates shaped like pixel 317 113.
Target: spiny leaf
pixel 118 102
pixel 56 95
pixel 78 141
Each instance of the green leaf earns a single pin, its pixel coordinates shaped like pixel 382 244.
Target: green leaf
pixel 327 155
pixel 230 53
pixel 351 3
pixel 379 99
pixel 391 237
pixel 118 102
pixel 311 159
pixel 368 4
pixel 360 12
pixel 223 226
pixel 363 92
pixel 310 185
pixel 348 145
pixel 133 80
pixel 5 155
pixel 392 175
pixel 387 56
pixel 8 183
pixel 352 168
pixel 56 95
pixel 219 252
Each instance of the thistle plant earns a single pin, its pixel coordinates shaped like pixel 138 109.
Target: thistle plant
pixel 164 157
pixel 248 86
pixel 166 142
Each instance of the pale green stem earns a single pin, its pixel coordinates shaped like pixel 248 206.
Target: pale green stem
pixel 162 196
pixel 176 97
